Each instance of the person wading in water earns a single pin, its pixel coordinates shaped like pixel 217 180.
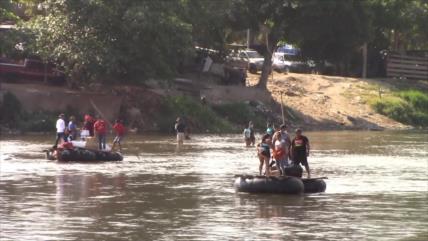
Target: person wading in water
pixel 180 128
pixel 252 134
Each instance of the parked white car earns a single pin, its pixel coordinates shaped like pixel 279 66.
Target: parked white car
pixel 279 63
pixel 253 58
pixel 282 62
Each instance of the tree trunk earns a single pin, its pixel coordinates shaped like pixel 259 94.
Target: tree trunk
pixel 266 70
pixel 271 42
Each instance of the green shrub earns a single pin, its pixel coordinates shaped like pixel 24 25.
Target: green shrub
pixel 13 116
pixel 39 121
pixel 419 118
pixel 240 113
pixel 409 107
pixel 10 110
pixel 199 117
pixel 416 98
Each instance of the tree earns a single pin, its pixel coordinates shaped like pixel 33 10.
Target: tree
pixel 112 40
pixel 403 24
pixel 331 30
pixel 209 21
pixel 9 40
pixel 271 17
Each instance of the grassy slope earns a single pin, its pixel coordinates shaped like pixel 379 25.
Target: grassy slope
pixel 408 106
pixel 402 103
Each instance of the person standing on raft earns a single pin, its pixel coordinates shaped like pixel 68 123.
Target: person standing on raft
pixel 100 129
pixel 300 150
pixel 180 128
pixel 263 152
pixel 72 129
pixel 88 125
pixel 60 130
pixel 270 130
pixel 281 141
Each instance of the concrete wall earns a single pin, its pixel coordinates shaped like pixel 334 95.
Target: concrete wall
pixel 41 97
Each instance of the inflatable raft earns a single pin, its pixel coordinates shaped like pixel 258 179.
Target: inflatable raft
pixel 314 185
pixel 263 184
pixel 78 154
pixel 278 184
pixel 291 183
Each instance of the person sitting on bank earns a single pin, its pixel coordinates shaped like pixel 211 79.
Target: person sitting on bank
pixel 263 153
pixel 72 129
pixel 300 150
pixel 100 129
pixel 120 132
pixel 60 130
pixel 247 136
pixel 180 128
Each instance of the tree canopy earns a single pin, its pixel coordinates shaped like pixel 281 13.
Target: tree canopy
pixel 134 40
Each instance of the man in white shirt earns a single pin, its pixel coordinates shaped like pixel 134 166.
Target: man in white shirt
pixel 60 130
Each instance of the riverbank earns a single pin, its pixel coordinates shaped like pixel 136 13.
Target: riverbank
pixel 314 102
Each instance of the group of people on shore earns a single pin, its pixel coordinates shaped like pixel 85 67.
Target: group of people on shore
pixel 92 127
pixel 277 145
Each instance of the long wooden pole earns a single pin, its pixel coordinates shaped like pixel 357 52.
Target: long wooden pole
pixel 282 110
pixel 99 112
pixel 364 74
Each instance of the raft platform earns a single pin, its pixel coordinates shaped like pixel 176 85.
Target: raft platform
pixel 279 184
pixel 78 154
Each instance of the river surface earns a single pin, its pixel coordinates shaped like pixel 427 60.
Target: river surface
pixel 377 189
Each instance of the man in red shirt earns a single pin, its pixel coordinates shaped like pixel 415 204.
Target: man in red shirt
pixel 120 132
pixel 100 129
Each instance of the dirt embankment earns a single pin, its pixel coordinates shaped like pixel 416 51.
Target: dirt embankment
pixel 327 102
pixel 314 102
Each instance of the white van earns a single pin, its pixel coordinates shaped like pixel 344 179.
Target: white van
pixel 282 62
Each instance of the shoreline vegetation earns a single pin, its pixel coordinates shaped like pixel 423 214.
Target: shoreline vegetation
pixel 405 106
pixel 408 107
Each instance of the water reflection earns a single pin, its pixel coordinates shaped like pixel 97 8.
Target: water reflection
pixel 72 187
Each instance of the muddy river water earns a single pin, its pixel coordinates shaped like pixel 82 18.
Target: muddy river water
pixel 377 189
